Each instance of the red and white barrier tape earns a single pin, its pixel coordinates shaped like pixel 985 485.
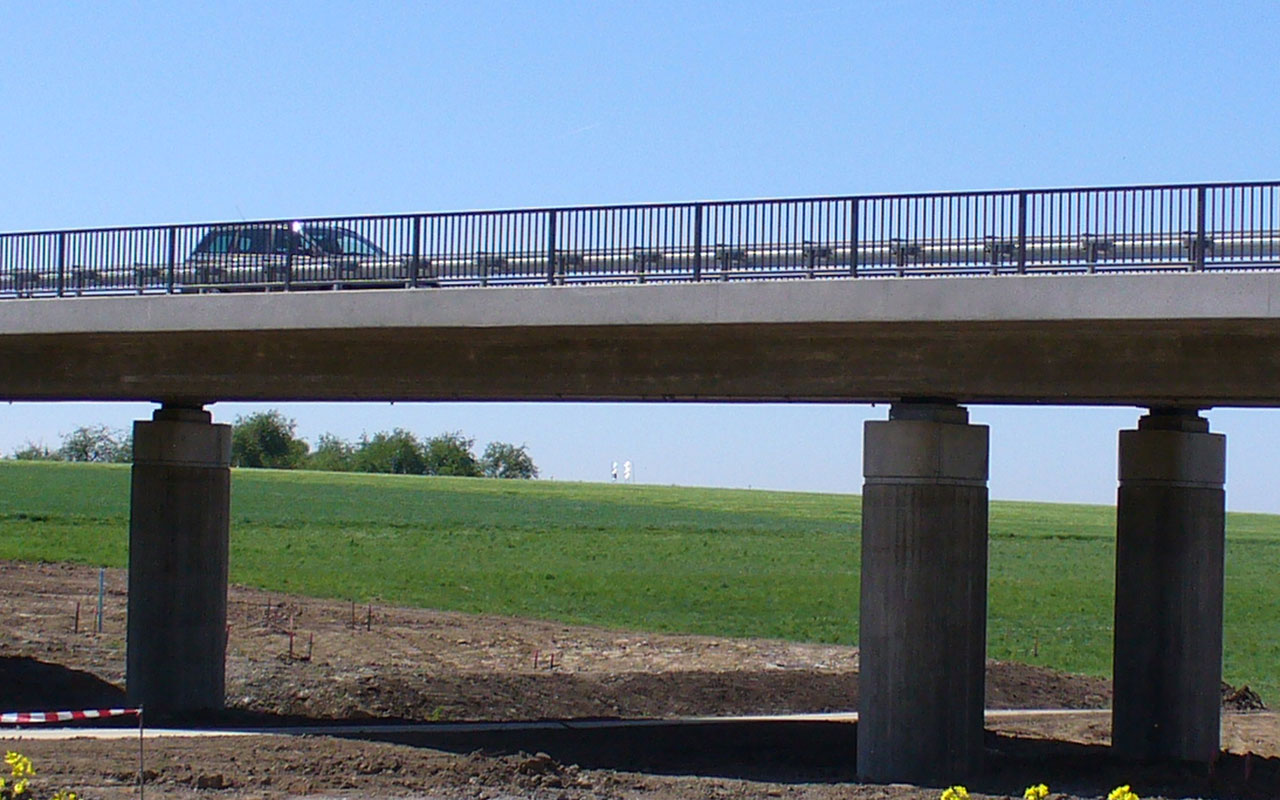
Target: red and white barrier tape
pixel 30 717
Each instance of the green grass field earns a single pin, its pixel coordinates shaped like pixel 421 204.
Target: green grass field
pixel 724 562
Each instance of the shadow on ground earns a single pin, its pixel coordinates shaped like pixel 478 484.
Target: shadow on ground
pixel 823 752
pixel 27 684
pixel 782 751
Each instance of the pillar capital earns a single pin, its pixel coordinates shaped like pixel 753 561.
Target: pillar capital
pixel 182 436
pixel 925 442
pixel 1173 452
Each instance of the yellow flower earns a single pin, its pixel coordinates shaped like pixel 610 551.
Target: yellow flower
pixel 20 787
pixel 19 765
pixel 955 793
pixel 1037 792
pixel 1122 793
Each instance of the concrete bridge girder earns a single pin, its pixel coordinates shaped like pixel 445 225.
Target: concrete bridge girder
pixel 1168 339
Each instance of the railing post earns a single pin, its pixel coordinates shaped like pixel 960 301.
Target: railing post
pixel 415 252
pixel 62 263
pixel 288 261
pixel 171 264
pixel 855 232
pixel 1201 241
pixel 697 242
pixel 551 247
pixel 1022 232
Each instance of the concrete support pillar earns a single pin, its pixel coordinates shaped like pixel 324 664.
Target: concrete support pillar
pixel 1170 525
pixel 178 539
pixel 923 611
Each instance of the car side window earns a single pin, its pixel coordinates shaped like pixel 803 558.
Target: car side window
pixel 218 242
pixel 323 238
pixel 283 239
pixel 356 245
pixel 254 240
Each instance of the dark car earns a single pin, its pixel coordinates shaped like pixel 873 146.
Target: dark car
pixel 301 255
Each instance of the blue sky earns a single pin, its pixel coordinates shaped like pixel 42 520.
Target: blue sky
pixel 132 113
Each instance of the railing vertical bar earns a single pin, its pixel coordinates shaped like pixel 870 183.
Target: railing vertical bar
pixel 171 260
pixel 551 247
pixel 1199 254
pixel 415 251
pixel 697 242
pixel 854 244
pixel 62 263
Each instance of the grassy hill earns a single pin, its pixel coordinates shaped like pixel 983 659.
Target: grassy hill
pixel 715 561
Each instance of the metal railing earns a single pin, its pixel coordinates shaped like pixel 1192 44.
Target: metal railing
pixel 1116 229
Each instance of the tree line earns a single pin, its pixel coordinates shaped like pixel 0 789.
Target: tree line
pixel 268 439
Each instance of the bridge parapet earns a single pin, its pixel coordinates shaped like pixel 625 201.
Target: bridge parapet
pixel 1189 227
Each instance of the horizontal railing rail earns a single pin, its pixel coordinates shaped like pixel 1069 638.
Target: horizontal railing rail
pixel 1191 227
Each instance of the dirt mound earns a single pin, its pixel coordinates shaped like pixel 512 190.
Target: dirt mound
pixel 1242 699
pixel 293 656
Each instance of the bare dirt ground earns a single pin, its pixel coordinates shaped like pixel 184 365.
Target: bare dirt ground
pixel 381 663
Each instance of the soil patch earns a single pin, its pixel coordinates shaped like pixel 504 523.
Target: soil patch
pixel 292 657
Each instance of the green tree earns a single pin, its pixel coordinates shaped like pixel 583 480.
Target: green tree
pixel 332 454
pixel 97 443
pixel 398 453
pixel 502 460
pixel 35 452
pixel 451 454
pixel 266 439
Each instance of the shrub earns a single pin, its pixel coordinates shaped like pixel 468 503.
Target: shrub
pixel 398 453
pixel 35 452
pixel 97 443
pixel 502 460
pixel 332 455
pixel 266 439
pixel 450 454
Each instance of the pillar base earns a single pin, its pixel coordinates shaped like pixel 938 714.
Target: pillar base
pixel 178 547
pixel 1170 525
pixel 923 611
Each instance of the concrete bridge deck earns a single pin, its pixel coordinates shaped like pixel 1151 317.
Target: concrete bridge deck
pixel 1191 339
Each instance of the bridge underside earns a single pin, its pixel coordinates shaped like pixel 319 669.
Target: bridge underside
pixel 1117 362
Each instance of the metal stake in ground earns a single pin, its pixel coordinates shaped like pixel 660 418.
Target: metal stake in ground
pixel 102 591
pixel 142 762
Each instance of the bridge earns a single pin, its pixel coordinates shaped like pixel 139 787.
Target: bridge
pixel 1162 297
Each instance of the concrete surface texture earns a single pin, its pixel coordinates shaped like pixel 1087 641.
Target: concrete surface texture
pixel 1170 528
pixel 923 610
pixel 1191 339
pixel 178 558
